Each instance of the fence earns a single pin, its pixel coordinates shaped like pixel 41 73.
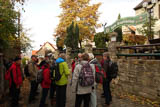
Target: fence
pixel 147 51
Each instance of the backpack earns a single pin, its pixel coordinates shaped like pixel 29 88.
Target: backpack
pixel 57 76
pixel 98 75
pixel 40 76
pixel 26 71
pixel 8 72
pixel 113 69
pixel 86 77
pixel 8 65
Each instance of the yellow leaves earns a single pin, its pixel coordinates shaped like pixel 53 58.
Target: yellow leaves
pixel 79 11
pixel 134 39
pixel 138 99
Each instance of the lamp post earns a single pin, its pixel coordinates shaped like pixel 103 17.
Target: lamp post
pixel 104 26
pixel 149 10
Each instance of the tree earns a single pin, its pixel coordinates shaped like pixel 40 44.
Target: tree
pixel 119 16
pixel 69 36
pixel 145 29
pixel 59 43
pixel 132 39
pixel 25 42
pixel 77 37
pixel 100 39
pixel 72 35
pixel 119 30
pixel 8 24
pixel 82 13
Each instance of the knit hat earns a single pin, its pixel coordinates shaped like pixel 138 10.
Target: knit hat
pixel 17 58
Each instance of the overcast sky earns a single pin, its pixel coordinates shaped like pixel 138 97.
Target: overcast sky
pixel 41 16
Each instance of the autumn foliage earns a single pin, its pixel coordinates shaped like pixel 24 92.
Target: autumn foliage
pixel 132 39
pixel 82 13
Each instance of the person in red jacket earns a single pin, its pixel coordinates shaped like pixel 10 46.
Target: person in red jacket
pixel 46 83
pixel 15 80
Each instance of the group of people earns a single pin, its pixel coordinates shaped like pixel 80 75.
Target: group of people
pixel 87 94
pixel 83 82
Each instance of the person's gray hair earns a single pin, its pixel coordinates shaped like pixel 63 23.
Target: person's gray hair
pixel 80 54
pixel 106 54
pixel 62 55
pixel 91 56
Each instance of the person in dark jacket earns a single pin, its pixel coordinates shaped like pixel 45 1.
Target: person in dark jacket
pixel 46 83
pixel 107 91
pixel 53 84
pixel 15 81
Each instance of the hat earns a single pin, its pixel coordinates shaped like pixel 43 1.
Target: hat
pixel 33 56
pixel 17 58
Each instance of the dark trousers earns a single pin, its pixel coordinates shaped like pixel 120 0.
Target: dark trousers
pixel 33 90
pixel 104 82
pixel 107 91
pixel 84 97
pixel 52 90
pixel 36 87
pixel 44 96
pixel 15 96
pixel 61 96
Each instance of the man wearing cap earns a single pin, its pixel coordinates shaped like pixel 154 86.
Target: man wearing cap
pixel 32 67
pixel 15 81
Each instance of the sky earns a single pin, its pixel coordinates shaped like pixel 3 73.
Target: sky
pixel 40 17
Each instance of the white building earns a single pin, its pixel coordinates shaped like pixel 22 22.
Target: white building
pixel 46 47
pixel 155 12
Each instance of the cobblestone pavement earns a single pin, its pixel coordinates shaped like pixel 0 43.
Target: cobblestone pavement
pixel 117 101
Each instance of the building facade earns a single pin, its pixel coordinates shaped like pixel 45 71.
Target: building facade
pixel 46 47
pixel 155 12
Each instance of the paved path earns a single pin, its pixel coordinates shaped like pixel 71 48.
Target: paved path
pixel 117 101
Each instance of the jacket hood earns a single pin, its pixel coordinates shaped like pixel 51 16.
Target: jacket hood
pixel 59 60
pixel 94 61
pixel 84 62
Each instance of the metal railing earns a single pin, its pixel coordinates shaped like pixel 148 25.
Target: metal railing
pixel 149 51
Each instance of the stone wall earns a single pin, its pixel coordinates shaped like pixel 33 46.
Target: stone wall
pixel 139 77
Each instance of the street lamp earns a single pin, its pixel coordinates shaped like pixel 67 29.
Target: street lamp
pixel 149 10
pixel 104 27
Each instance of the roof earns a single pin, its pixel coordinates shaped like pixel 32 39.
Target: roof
pixel 140 5
pixel 45 44
pixel 132 28
pixel 34 52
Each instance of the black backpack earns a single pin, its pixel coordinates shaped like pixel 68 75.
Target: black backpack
pixel 113 69
pixel 26 71
pixel 40 76
pixel 57 76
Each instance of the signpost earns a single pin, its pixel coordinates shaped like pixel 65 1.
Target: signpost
pixel 140 19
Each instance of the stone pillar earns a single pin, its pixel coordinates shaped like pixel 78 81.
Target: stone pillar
pixel 112 46
pixel 68 56
pixel 112 49
pixel 88 48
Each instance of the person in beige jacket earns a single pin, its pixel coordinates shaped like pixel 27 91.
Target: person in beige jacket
pixel 32 68
pixel 82 93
